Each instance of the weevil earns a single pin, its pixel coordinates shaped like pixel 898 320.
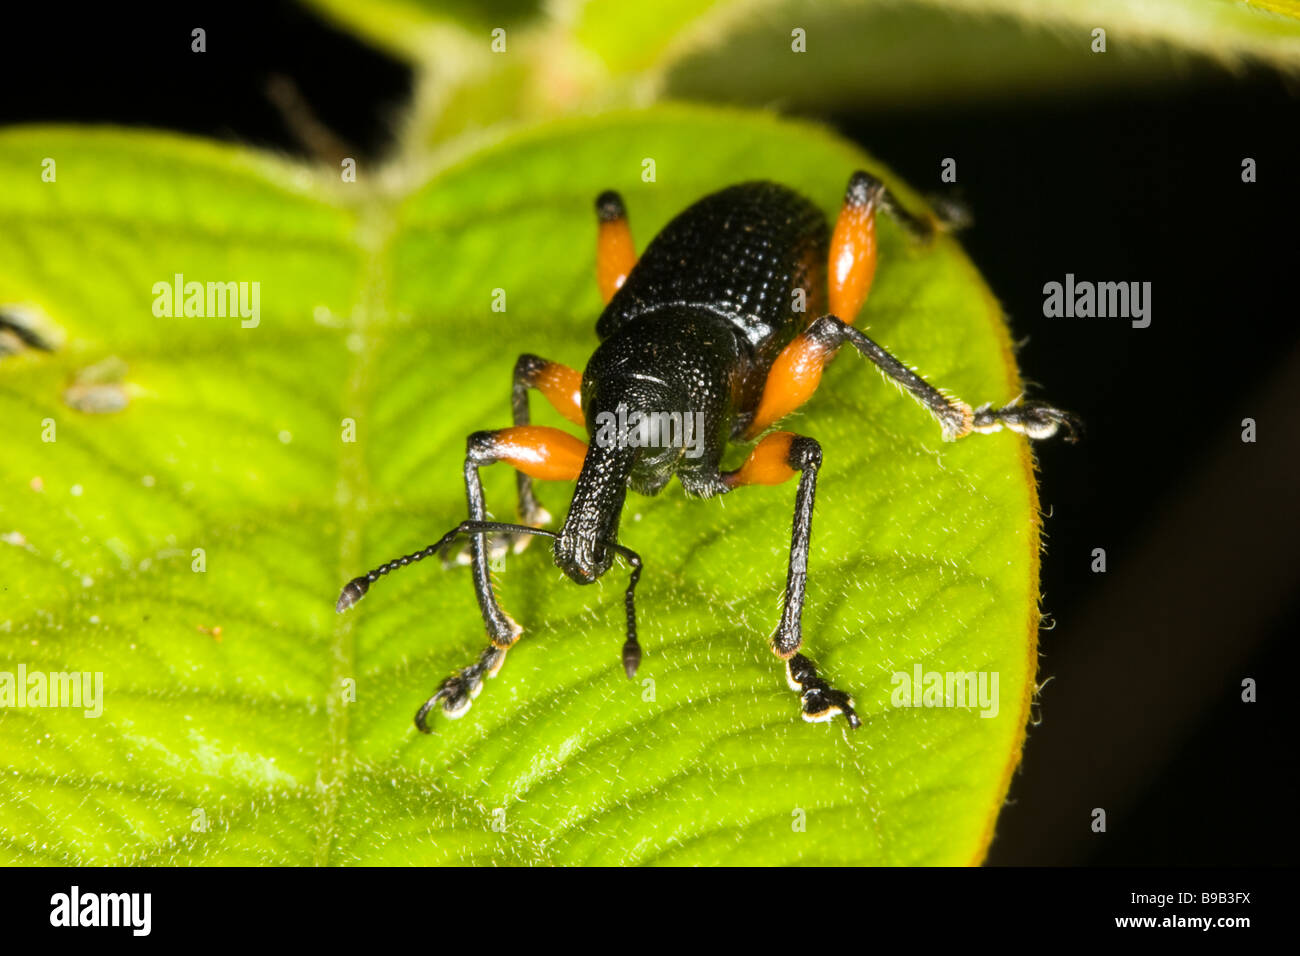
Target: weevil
pixel 702 329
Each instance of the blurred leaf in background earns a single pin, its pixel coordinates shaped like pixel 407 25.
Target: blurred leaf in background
pixel 572 56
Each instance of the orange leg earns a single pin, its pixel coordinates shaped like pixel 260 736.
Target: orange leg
pixel 562 387
pixel 776 459
pixel 534 451
pixel 853 243
pixel 853 247
pixel 615 253
pixel 559 385
pixel 539 452
pixel 791 381
pixel 798 369
pixel 767 464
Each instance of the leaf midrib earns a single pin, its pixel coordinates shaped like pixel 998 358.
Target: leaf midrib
pixel 374 230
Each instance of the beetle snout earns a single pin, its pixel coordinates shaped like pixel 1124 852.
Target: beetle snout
pixel 584 561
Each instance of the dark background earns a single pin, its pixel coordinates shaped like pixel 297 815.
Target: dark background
pixel 1143 715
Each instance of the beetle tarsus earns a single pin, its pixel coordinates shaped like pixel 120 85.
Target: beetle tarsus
pixel 457 692
pixel 1034 420
pixel 821 702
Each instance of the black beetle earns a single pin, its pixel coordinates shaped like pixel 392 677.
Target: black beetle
pixel 702 343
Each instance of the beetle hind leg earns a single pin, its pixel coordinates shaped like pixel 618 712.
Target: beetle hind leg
pixel 852 263
pixel 615 251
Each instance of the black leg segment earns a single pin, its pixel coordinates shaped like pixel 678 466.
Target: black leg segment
pixel 957 419
pixel 777 458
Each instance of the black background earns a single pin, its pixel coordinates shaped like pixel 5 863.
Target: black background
pixel 1143 715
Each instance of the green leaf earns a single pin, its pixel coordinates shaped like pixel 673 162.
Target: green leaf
pixel 856 54
pixel 415 28
pixel 239 746
pixel 862 54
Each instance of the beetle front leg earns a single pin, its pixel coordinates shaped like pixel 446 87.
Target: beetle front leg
pixel 458 691
pixel 562 387
pixel 775 460
pixel 540 452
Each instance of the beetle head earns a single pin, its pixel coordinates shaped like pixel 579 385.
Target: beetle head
pixel 617 409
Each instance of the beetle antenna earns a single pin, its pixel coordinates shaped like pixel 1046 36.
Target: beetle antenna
pixel 631 649
pixel 356 589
